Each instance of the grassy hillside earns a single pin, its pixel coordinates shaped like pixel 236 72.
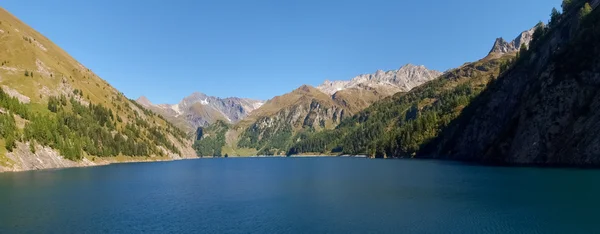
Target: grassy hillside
pixel 357 99
pixel 64 105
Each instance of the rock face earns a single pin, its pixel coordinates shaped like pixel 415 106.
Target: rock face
pixel 401 80
pixel 22 159
pixel 501 46
pixel 545 110
pixel 14 93
pixel 199 110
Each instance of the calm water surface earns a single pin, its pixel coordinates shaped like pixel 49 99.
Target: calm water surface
pixel 300 195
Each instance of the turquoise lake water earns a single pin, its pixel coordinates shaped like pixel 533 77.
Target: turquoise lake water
pixel 300 195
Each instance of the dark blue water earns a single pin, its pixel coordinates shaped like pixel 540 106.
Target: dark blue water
pixel 300 195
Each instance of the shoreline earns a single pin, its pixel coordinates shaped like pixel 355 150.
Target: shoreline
pixel 98 162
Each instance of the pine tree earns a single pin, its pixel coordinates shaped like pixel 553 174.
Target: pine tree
pixel 585 11
pixel 10 143
pixel 566 5
pixel 540 30
pixel 554 17
pixel 32 146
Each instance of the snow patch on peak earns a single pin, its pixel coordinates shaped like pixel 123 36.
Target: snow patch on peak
pixel 204 102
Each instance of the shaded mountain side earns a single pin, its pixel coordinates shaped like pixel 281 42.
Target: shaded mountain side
pixel 397 126
pixel 544 109
pixel 52 102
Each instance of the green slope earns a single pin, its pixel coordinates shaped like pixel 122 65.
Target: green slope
pixel 55 101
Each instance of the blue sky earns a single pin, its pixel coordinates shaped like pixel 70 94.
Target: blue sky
pixel 166 50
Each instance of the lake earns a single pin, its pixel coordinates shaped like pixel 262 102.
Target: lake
pixel 300 195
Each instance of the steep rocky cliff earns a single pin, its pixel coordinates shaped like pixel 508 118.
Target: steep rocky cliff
pixel 543 110
pixel 501 46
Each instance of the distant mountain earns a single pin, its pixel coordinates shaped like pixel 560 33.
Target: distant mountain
pixel 402 80
pixel 200 110
pixel 55 112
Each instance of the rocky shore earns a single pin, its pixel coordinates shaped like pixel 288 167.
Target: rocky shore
pixel 22 159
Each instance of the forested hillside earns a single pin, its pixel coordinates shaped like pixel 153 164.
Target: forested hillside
pixel 49 103
pixel 210 140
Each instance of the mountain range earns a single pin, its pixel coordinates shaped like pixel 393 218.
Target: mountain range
pixel 532 100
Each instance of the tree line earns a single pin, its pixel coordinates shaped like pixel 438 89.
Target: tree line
pixel 74 129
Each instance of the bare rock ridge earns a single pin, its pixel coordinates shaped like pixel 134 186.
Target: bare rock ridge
pixel 501 46
pixel 402 80
pixel 198 109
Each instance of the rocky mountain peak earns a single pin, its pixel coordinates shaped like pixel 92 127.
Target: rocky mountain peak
pixel 501 46
pixel 401 80
pixel 411 66
pixel 144 101
pixel 305 89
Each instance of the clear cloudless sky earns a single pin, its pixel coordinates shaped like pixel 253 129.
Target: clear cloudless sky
pixel 166 50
